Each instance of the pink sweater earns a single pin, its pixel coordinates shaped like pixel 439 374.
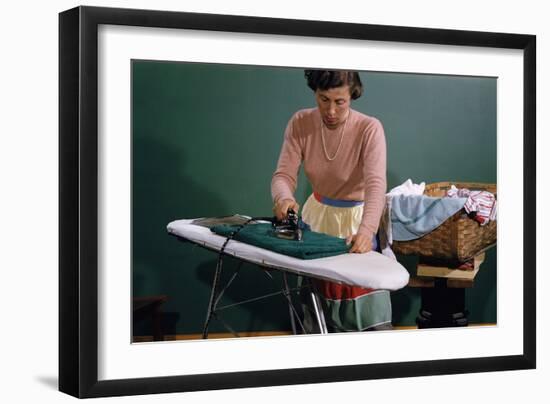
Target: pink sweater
pixel 357 173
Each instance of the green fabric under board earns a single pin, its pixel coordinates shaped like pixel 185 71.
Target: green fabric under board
pixel 357 314
pixel 313 245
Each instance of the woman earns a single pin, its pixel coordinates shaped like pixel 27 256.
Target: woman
pixel 344 157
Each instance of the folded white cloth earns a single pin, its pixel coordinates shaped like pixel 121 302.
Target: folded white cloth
pixel 386 237
pixel 408 188
pixel 385 232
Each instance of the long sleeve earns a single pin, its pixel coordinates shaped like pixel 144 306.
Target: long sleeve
pixel 374 173
pixel 284 180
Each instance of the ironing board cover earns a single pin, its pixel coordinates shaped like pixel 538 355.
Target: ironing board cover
pixel 370 270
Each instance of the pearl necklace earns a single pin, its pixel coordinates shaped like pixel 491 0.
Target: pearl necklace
pixel 341 138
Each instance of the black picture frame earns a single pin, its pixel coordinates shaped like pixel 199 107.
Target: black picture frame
pixel 78 200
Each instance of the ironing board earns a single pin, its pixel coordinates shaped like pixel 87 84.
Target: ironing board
pixel 369 270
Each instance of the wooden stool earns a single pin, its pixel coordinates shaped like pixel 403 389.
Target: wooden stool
pixel 150 306
pixel 443 292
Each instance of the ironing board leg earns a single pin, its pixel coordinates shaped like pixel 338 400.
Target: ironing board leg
pixel 318 311
pixel 291 312
pixel 211 308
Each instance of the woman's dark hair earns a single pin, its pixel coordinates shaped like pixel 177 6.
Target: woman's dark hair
pixel 327 79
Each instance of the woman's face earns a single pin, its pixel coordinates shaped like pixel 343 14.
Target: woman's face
pixel 334 105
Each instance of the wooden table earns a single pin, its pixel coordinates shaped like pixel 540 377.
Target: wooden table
pixel 443 295
pixel 149 306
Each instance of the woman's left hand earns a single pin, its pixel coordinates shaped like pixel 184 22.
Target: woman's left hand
pixel 361 243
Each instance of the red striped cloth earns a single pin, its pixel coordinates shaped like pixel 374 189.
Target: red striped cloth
pixel 483 203
pixel 335 291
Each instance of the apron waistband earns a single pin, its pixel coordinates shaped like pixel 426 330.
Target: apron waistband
pixel 336 202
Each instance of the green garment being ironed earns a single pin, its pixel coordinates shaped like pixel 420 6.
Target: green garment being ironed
pixel 313 245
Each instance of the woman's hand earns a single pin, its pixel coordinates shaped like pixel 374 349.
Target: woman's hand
pixel 361 243
pixel 281 208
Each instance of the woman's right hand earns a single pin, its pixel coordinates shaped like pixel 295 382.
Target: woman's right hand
pixel 281 208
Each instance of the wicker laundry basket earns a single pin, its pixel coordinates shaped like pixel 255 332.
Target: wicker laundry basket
pixel 459 238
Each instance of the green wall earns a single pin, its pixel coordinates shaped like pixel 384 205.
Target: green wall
pixel 205 142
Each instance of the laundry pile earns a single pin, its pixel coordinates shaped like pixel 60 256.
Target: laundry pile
pixel 409 214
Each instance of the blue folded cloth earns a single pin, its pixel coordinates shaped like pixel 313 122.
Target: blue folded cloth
pixel 413 216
